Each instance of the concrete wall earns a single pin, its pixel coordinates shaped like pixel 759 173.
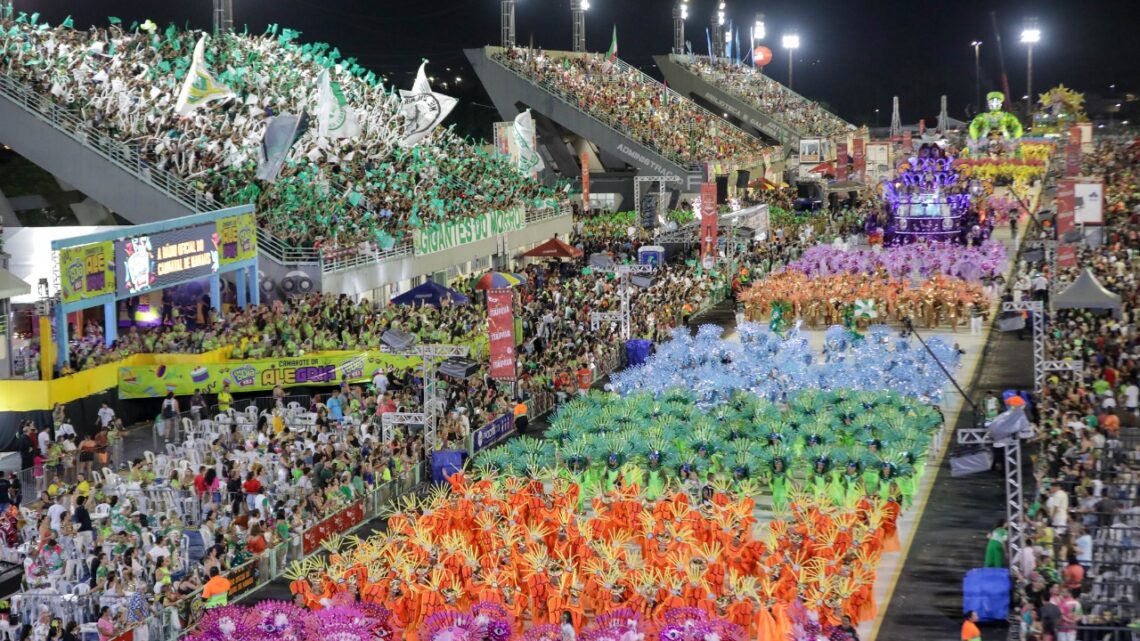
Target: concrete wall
pixel 369 277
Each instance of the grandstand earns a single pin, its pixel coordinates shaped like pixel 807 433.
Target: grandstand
pixel 627 122
pixel 758 102
pixel 96 108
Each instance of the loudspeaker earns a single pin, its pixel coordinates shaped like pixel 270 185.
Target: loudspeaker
pixel 742 179
pixel 397 340
pixel 721 190
pixel 456 367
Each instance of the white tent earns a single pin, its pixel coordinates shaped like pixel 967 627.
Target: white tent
pixel 1087 293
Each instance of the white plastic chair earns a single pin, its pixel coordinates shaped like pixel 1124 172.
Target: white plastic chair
pixel 97 477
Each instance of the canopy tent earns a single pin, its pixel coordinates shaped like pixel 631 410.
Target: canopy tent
pixel 553 248
pixel 12 286
pixel 1087 293
pixel 430 293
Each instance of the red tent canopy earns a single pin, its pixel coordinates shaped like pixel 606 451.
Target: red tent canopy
pixel 554 248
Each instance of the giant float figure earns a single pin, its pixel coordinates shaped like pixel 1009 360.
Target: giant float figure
pixel 995 131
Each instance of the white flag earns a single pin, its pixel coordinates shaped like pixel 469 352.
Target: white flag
pixel 422 109
pixel 199 87
pixel 335 119
pixel 530 163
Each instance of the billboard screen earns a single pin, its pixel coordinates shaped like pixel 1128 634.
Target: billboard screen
pixel 148 262
pixel 86 271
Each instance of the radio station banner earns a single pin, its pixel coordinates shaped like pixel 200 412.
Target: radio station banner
pixel 242 579
pixel 860 156
pixel 502 132
pixel 338 523
pixel 87 271
pixel 1066 207
pixel 908 141
pixel 1066 255
pixel 841 161
pixel 461 231
pixel 330 368
pixel 493 432
pixel 708 220
pixel 1088 201
pixel 148 262
pixel 238 238
pixel 501 326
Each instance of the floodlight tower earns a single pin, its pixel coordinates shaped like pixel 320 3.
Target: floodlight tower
pixel 791 42
pixel 223 16
pixel 507 23
pixel 1030 36
pixel 578 10
pixel 680 15
pixel 718 24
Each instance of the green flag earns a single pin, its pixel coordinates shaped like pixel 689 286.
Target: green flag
pixel 611 55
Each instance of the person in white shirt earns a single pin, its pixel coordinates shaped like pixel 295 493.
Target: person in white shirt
pixel 1131 397
pixel 65 429
pixel 106 415
pixel 380 382
pixel 1084 548
pixel 1058 509
pixel 44 439
pixel 157 550
pixel 55 513
pixel 1109 402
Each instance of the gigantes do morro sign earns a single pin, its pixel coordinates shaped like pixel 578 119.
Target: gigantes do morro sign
pixel 461 231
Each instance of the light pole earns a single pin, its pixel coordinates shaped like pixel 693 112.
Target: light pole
pixel 876 118
pixel 507 24
pixel 791 42
pixel 578 10
pixel 680 15
pixel 718 24
pixel 223 16
pixel 977 45
pixel 758 34
pixel 1030 35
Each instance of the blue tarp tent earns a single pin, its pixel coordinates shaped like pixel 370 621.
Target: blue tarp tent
pixel 430 293
pixel 986 591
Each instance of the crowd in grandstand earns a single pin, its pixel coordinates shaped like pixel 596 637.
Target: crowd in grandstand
pixel 124 82
pixel 805 116
pixel 638 105
pixel 1073 571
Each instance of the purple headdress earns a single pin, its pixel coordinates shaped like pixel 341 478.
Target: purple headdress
pixel 622 624
pixel 544 632
pixel 694 624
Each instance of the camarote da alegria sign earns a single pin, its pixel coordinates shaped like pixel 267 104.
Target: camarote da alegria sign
pixel 461 231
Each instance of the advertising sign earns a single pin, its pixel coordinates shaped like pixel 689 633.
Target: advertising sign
pixel 708 221
pixel 242 579
pixel 1066 207
pixel 1066 255
pixel 237 236
pixel 87 271
pixel 841 161
pixel 1086 137
pixel 152 381
pixel 493 432
pixel 585 159
pixel 145 263
pixel 860 158
pixel 500 324
pixel 338 523
pixel 461 231
pixel 1088 202
pixel 811 152
pixel 503 132
pixel 908 141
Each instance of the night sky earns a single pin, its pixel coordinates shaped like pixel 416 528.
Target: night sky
pixel 854 55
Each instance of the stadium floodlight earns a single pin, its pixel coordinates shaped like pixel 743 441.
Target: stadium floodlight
pixel 758 29
pixel 585 5
pixel 684 10
pixel 791 42
pixel 1030 36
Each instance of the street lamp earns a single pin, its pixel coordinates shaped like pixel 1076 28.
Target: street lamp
pixel 977 45
pixel 1030 36
pixel 876 118
pixel 791 42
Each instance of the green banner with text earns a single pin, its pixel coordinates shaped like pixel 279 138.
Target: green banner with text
pixel 461 231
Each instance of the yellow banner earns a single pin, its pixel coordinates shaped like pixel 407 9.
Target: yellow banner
pixel 325 368
pixel 237 238
pixel 87 271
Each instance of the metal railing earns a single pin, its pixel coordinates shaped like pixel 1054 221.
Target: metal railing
pixel 764 79
pixel 123 155
pixel 499 56
pixel 345 258
pixel 284 253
